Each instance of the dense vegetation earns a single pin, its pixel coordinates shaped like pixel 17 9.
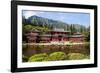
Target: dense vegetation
pixel 55 56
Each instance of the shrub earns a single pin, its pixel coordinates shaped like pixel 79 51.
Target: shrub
pixel 24 47
pixel 38 57
pixel 25 58
pixel 87 57
pixel 76 56
pixel 57 56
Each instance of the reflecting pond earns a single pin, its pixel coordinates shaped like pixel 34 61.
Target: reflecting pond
pixel 29 50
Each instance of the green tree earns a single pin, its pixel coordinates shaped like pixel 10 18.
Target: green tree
pixel 28 27
pixel 73 29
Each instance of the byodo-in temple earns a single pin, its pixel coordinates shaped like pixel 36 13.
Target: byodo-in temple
pixel 55 35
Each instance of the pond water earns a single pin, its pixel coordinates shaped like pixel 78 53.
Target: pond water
pixel 29 50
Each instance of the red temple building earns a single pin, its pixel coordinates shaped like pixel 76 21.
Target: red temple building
pixel 59 35
pixel 32 36
pixel 77 37
pixel 45 38
pixel 55 35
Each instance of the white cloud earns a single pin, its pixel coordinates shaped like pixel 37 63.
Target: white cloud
pixel 27 14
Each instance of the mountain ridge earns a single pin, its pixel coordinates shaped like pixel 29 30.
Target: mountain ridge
pixel 50 23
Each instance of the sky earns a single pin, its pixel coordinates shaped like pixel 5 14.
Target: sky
pixel 67 17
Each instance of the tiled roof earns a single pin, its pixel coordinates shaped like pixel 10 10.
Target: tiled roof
pixel 76 36
pixel 45 35
pixel 57 31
